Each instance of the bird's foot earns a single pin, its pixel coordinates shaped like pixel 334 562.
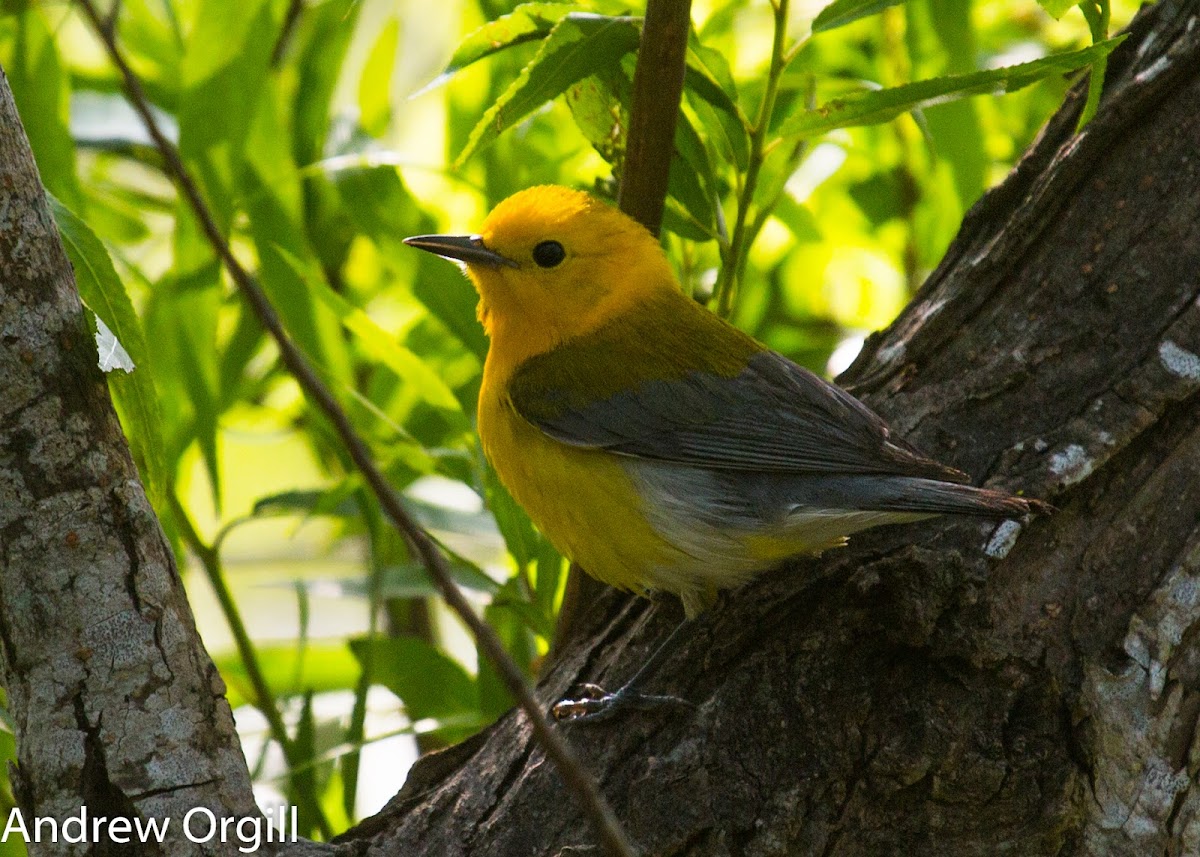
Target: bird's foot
pixel 595 704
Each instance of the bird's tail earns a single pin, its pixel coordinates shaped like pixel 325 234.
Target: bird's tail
pixel 914 494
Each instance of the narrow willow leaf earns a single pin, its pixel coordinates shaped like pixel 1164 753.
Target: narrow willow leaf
pixel 579 45
pixel 41 88
pixel 691 179
pixel 319 57
pixel 873 107
pixel 708 79
pixel 134 393
pixel 320 667
pixel 526 23
pixel 374 86
pixel 842 12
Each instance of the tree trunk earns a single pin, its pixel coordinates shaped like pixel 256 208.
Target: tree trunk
pixel 956 687
pixel 949 688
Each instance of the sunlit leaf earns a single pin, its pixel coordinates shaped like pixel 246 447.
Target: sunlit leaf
pixel 526 23
pixel 579 45
pixel 708 78
pixel 323 38
pixel 1057 8
pixel 374 87
pixel 377 343
pixel 871 107
pixel 599 116
pixel 382 208
pixel 274 201
pixel 842 12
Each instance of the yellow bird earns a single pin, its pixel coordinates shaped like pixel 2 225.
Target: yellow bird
pixel 652 442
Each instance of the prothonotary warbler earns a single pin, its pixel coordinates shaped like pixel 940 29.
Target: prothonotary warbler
pixel 652 442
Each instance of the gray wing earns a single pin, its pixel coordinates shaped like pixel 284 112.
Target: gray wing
pixel 774 416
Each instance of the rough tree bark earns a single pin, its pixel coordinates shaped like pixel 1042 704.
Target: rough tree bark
pixel 953 688
pixel 950 688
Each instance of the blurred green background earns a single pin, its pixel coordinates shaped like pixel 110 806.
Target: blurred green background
pixel 321 133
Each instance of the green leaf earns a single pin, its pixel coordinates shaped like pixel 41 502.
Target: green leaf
pixel 323 38
pixel 134 393
pixel 412 580
pixel 691 178
pixel 41 89
pixel 518 533
pixel 287 669
pixel 707 77
pixel 526 23
pixel 579 45
pixel 274 201
pixel 430 683
pixel 181 319
pixel 599 116
pixel 942 41
pixel 842 12
pixel 551 571
pixel 1097 13
pixel 505 615
pixel 1057 8
pixel 374 86
pixel 380 205
pixel 226 54
pixel 873 107
pixel 380 346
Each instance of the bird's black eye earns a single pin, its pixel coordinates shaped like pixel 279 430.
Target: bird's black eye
pixel 548 254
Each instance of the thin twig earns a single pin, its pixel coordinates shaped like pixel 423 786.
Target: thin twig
pixel 734 263
pixel 578 780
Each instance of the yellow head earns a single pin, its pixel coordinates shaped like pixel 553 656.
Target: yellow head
pixel 550 264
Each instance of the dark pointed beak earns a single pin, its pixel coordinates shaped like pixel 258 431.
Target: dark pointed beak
pixel 464 248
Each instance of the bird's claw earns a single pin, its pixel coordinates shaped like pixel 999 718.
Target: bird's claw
pixel 594 703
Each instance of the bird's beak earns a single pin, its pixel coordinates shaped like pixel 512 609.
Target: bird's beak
pixel 464 248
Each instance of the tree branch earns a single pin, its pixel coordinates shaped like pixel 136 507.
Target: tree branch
pixel 657 89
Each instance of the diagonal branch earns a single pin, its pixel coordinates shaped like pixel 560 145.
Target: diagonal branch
pixel 578 780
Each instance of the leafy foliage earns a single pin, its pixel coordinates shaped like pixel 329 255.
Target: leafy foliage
pixel 816 180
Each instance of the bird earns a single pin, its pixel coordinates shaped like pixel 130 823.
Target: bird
pixel 655 444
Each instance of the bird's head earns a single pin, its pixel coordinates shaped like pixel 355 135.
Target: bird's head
pixel 551 263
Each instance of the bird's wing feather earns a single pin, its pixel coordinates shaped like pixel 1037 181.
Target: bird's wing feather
pixel 664 401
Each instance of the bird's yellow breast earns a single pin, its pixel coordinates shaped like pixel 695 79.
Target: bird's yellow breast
pixel 582 500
